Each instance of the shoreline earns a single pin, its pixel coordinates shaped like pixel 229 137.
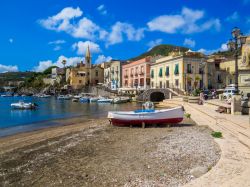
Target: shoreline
pixel 95 153
pixel 31 137
pixel 44 124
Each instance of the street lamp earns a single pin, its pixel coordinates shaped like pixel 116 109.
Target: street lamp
pixel 202 67
pixel 235 45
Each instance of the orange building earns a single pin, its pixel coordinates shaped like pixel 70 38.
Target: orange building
pixel 136 74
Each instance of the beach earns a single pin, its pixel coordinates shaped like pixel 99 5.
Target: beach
pixel 94 153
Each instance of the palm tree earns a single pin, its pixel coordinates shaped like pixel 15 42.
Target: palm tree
pixel 197 79
pixel 64 63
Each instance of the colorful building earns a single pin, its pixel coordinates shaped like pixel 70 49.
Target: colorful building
pixel 85 74
pixel 136 74
pixel 228 65
pixel 182 72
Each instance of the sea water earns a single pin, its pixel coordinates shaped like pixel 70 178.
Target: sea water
pixel 14 121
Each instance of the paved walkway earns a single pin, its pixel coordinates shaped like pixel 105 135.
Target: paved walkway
pixel 233 169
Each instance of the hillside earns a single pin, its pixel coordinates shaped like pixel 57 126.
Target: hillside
pixel 163 50
pixel 14 76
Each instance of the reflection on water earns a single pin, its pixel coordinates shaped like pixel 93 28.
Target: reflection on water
pixel 51 108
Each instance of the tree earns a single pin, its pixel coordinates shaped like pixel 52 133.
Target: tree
pixel 197 79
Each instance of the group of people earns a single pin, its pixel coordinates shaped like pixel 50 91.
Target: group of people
pixel 204 96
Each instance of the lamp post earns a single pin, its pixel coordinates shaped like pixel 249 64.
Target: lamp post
pixel 235 45
pixel 202 67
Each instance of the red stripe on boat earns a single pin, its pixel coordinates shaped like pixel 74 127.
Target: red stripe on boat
pixel 118 122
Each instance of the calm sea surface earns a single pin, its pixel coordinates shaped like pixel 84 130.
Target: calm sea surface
pixel 49 109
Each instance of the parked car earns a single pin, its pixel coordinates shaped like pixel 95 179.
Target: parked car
pixel 229 92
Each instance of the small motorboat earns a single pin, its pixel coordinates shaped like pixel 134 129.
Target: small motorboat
pixel 44 96
pixel 84 99
pixel 119 100
pixel 93 99
pixel 104 100
pixel 63 97
pixel 147 116
pixel 22 105
pixel 75 100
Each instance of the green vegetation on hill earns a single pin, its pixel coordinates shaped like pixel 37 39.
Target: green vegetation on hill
pixel 163 50
pixel 227 54
pixel 49 70
pixel 14 76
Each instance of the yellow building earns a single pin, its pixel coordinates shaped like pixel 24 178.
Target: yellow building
pixel 228 66
pixel 85 74
pixel 182 72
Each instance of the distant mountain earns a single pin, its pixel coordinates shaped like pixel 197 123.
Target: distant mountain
pixel 163 50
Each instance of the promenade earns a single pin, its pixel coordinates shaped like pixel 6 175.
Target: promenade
pixel 233 168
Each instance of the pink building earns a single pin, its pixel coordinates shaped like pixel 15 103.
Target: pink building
pixel 136 74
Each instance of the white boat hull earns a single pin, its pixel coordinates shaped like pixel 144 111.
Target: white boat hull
pixel 165 116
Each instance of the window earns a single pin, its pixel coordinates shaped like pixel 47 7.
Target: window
pixel 160 84
pixel 160 72
pixel 142 70
pixel 80 81
pixel 189 68
pixel 152 84
pixel 167 84
pixel 152 73
pixel 177 82
pixel 96 73
pixel 167 71
pixel 176 70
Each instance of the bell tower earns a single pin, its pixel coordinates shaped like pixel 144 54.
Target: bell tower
pixel 88 65
pixel 88 58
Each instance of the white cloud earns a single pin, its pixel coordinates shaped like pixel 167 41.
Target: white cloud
pixel 66 21
pixel 11 40
pixel 120 29
pixel 57 48
pixel 102 58
pixel 56 42
pixel 189 42
pixel 43 65
pixel 102 9
pixel 10 68
pixel 185 22
pixel 81 47
pixel 234 17
pixel 154 43
pixel 211 51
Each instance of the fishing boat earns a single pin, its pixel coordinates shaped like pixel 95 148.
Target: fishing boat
pixel 44 96
pixel 147 116
pixel 104 100
pixel 23 105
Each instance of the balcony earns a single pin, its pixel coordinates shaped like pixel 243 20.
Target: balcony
pixel 136 75
pixel 125 76
pixel 131 75
pixel 142 73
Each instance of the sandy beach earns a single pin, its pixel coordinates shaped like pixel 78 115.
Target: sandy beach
pixel 94 153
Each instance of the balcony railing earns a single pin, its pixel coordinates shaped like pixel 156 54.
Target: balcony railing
pixel 125 76
pixel 142 73
pixel 131 75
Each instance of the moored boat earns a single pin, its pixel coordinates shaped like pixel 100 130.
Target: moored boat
pixel 104 100
pixel 23 105
pixel 119 100
pixel 63 97
pixel 147 116
pixel 93 99
pixel 84 99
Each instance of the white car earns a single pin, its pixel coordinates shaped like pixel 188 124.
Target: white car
pixel 229 92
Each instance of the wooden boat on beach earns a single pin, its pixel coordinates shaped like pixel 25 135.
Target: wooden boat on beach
pixel 147 116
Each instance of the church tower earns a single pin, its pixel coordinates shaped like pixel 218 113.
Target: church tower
pixel 88 65
pixel 88 58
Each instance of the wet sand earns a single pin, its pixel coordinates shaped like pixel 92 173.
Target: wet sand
pixel 94 153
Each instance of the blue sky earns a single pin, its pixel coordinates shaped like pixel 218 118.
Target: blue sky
pixel 37 34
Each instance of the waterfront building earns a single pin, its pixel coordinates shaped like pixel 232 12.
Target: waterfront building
pixel 107 73
pixel 84 74
pixel 136 75
pixel 228 65
pixel 179 71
